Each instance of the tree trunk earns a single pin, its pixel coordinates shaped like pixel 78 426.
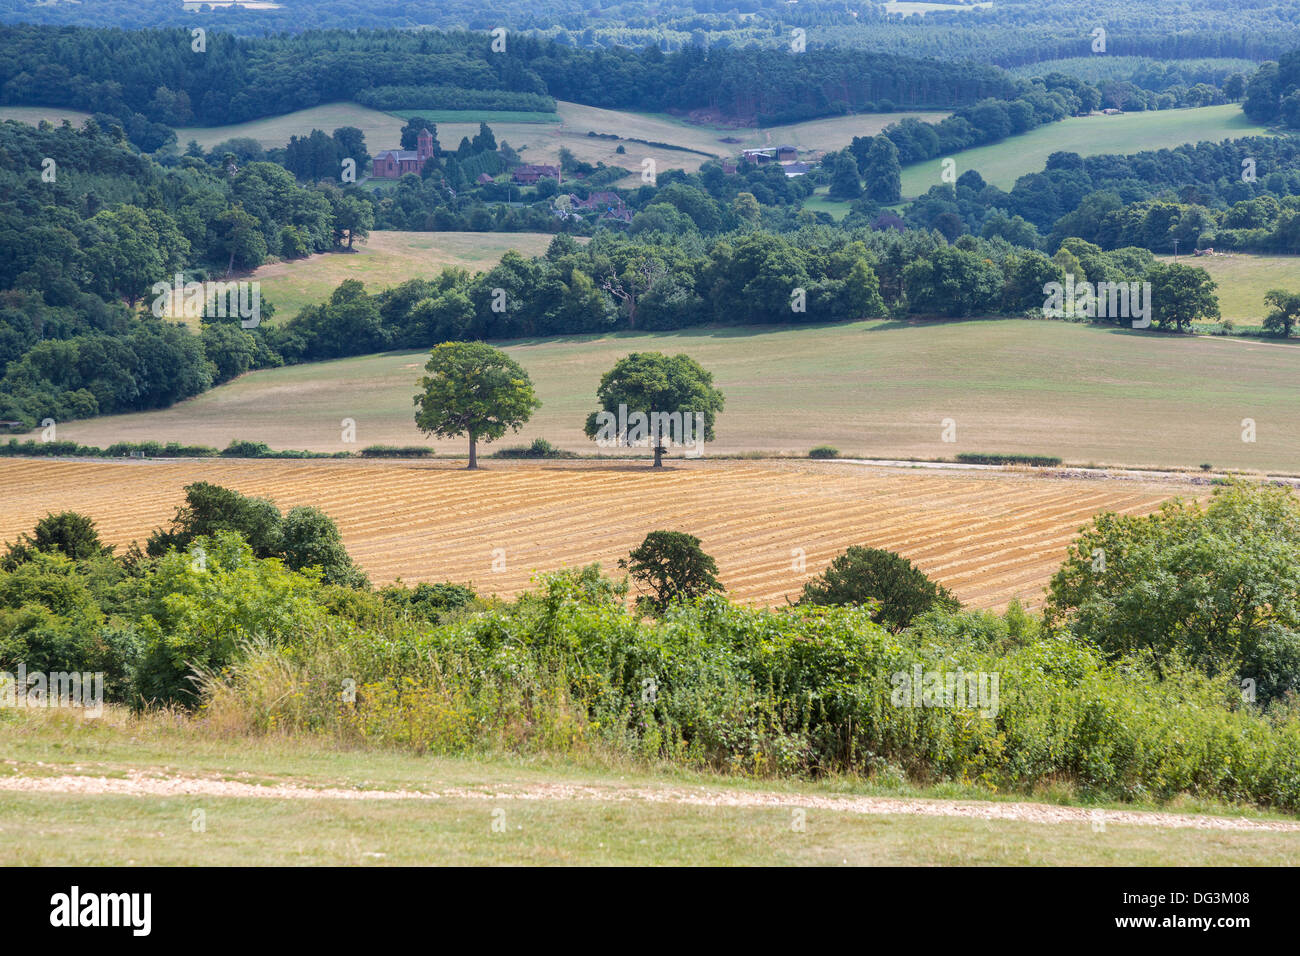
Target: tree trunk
pixel 659 456
pixel 473 451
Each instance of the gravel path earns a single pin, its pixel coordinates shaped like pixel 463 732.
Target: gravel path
pixel 146 784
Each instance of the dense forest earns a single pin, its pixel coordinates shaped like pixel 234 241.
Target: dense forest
pixel 1011 33
pixel 159 76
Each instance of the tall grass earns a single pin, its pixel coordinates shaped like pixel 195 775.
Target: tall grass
pixel 802 692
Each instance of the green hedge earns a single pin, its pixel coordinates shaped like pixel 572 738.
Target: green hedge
pixel 974 458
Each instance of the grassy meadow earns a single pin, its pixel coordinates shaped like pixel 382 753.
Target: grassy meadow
pixel 1087 394
pixel 1243 278
pixel 457 828
pixel 386 259
pixel 1001 164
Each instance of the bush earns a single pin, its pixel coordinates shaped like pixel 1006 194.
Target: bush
pixel 1041 461
pixel 895 589
pixel 824 451
pixel 673 567
pixel 540 448
pixel 396 451
pixel 1217 587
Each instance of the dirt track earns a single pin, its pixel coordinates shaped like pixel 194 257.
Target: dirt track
pixel 138 783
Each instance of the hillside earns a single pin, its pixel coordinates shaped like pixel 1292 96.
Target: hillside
pixel 878 389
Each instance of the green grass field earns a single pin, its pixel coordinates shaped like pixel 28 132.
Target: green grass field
pixel 1243 279
pixel 80 829
pixel 381 129
pixel 1001 164
pixel 1084 393
pixel 386 259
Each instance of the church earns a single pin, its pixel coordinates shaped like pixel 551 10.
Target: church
pixel 395 163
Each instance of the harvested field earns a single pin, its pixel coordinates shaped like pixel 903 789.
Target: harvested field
pixel 991 536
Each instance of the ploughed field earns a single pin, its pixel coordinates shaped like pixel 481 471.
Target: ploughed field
pixel 991 536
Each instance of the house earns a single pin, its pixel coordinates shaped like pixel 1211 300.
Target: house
pixel 792 170
pixel 728 166
pixel 786 154
pixel 483 179
pixel 758 155
pixel 604 201
pixel 396 163
pixel 529 173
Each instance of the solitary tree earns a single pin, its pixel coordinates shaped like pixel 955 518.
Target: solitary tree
pixel 672 566
pixel 1285 313
pixel 648 395
pixel 476 390
pixel 883 173
pixel 1181 294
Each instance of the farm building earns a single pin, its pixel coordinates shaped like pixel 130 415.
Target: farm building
pixel 396 163
pixel 530 173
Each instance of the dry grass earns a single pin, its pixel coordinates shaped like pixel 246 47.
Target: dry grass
pixel 991 537
pixel 386 259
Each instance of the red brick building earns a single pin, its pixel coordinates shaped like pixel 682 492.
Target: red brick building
pixel 396 163
pixel 530 173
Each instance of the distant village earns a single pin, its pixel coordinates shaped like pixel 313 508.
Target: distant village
pixel 392 164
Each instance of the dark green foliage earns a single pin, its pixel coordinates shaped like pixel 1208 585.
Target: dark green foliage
pixel 211 508
pixel 537 448
pixel 1217 587
pixel 67 533
pixel 978 458
pixel 865 576
pixel 673 567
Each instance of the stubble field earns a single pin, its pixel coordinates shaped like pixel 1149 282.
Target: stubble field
pixel 990 536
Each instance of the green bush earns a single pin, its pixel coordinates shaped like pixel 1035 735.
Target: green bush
pixel 824 451
pixel 895 589
pixel 539 448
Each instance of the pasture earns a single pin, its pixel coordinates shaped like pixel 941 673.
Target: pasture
pixel 386 259
pixel 1243 278
pixel 381 129
pixel 1087 394
pixel 991 536
pixel 1001 164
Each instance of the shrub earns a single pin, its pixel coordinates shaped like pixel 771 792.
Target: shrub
pixel 973 458
pixel 396 451
pixel 892 586
pixel 540 448
pixel 1216 586
pixel 673 566
pixel 824 451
